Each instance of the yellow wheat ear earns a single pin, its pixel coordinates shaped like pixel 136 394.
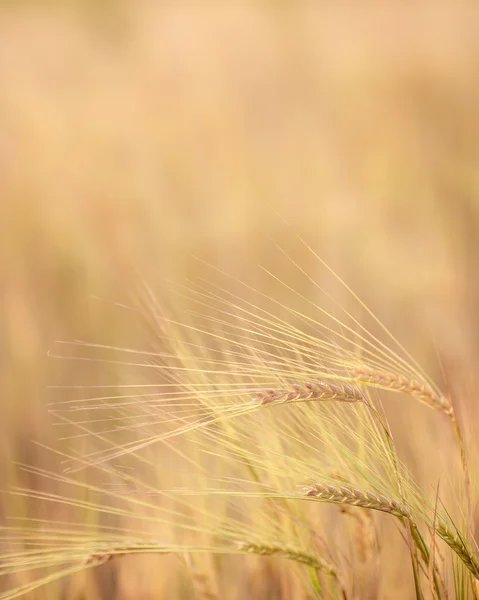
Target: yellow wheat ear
pixel 422 391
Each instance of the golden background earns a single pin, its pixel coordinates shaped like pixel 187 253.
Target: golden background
pixel 135 136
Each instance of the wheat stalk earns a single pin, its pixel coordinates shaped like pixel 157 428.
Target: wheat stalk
pixel 364 533
pixel 204 585
pixel 428 396
pixel 372 501
pixel 288 552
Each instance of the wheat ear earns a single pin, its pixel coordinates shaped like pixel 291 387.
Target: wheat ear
pixel 289 553
pixel 353 497
pixel 350 496
pixel 428 396
pixel 310 391
pixel 399 383
pixel 460 546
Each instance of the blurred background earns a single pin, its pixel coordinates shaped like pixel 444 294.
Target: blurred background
pixel 135 135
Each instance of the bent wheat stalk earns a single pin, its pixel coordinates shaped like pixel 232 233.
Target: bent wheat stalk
pixel 428 396
pixel 372 501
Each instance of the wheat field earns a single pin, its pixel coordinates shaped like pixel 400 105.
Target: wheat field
pixel 238 264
